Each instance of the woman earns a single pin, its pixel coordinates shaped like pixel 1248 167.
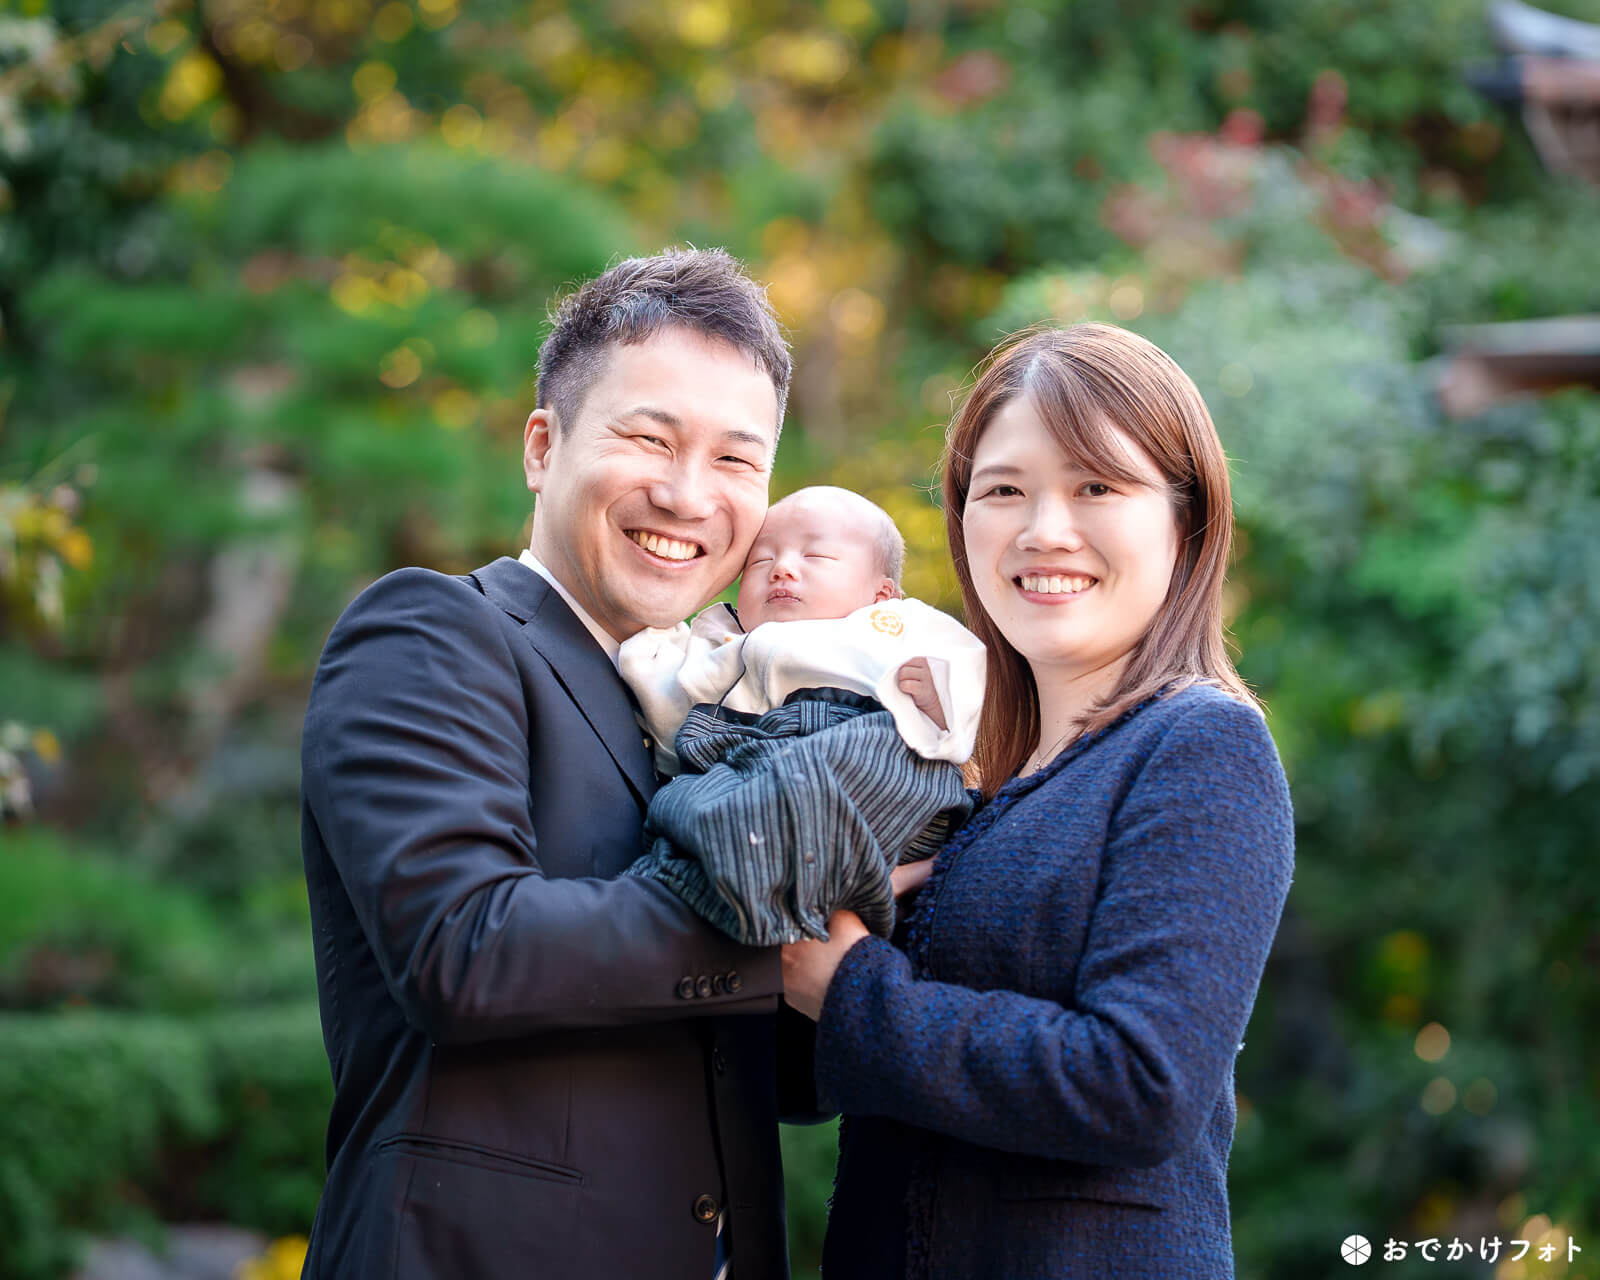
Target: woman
pixel 1040 1083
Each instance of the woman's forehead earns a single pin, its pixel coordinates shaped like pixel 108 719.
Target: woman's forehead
pixel 1018 436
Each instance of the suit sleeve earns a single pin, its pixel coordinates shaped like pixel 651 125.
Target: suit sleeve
pixel 1194 879
pixel 416 762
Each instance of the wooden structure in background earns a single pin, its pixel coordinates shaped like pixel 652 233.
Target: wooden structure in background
pixel 1490 363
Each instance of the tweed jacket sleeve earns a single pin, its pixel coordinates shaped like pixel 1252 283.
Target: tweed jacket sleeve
pixel 1125 1066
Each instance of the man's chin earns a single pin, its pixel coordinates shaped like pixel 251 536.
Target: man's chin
pixel 668 608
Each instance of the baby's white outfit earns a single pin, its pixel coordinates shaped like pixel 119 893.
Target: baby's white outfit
pixel 671 669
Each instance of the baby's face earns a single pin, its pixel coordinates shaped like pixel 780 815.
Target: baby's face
pixel 813 558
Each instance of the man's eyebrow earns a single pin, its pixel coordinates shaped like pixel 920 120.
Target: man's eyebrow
pixel 663 416
pixel 669 419
pixel 748 437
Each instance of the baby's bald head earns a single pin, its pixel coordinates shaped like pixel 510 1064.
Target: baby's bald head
pixel 823 552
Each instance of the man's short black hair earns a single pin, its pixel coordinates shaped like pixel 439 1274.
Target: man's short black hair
pixel 703 290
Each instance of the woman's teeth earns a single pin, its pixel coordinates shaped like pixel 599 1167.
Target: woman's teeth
pixel 1056 585
pixel 666 548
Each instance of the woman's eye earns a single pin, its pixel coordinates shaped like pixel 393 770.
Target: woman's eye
pixel 1098 489
pixel 1002 491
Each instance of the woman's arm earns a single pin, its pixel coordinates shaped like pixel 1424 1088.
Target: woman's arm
pixel 1194 879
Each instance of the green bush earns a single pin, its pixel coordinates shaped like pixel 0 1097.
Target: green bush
pixel 81 927
pixel 809 1154
pixel 108 1119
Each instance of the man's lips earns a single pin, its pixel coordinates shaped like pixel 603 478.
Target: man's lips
pixel 665 547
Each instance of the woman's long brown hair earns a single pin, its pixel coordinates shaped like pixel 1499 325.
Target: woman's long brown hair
pixel 1083 381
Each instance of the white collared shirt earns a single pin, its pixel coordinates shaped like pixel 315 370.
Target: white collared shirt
pixel 604 638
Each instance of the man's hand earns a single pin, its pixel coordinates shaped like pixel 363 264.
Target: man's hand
pixel 916 679
pixel 808 967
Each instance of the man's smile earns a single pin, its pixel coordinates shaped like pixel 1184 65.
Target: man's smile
pixel 664 548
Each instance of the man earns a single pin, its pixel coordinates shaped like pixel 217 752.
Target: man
pixel 542 1067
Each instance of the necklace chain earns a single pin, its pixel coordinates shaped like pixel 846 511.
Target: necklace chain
pixel 1038 760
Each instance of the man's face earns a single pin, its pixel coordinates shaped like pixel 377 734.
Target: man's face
pixel 815 557
pixel 649 500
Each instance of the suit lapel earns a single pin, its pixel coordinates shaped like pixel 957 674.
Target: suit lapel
pixel 578 662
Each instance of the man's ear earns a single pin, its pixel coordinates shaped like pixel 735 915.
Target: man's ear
pixel 537 437
pixel 886 591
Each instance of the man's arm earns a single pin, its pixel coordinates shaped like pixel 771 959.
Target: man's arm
pixel 416 760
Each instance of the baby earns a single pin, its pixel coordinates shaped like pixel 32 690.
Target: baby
pixel 817 728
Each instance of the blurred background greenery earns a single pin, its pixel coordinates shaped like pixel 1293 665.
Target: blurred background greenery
pixel 273 274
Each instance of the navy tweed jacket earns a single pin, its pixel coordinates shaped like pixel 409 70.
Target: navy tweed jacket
pixel 1039 1083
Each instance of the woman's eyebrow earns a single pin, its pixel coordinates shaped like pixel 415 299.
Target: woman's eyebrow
pixel 995 469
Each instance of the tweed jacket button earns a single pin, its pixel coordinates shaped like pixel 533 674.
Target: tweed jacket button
pixel 719 984
pixel 702 986
pixel 735 981
pixel 705 1209
pixel 686 988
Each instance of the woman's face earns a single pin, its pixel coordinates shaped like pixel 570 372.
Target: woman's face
pixel 1072 565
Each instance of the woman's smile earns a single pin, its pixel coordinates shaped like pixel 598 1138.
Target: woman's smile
pixel 1053 588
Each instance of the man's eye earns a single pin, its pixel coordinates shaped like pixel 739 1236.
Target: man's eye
pixel 748 462
pixel 653 440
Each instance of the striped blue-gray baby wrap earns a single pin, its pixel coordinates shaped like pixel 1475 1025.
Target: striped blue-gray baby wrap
pixel 781 818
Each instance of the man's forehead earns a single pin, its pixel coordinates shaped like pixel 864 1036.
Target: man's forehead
pixel 664 376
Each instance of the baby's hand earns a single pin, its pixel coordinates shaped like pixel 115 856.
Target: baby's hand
pixel 916 678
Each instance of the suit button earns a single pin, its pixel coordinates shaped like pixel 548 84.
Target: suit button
pixel 735 981
pixel 647 744
pixel 719 984
pixel 686 988
pixel 702 986
pixel 705 1209
pixel 719 1064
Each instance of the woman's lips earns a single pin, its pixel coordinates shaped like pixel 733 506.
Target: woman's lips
pixel 1054 588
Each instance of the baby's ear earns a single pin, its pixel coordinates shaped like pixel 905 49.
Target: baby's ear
pixel 886 591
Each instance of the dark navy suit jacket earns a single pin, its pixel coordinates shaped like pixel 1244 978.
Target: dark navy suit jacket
pixel 537 1065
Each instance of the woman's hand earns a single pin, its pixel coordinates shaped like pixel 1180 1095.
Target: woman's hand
pixel 808 967
pixel 906 880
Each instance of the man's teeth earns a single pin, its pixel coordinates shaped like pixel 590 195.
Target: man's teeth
pixel 666 548
pixel 1056 585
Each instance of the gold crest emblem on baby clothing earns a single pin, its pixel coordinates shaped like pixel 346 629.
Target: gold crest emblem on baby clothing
pixel 887 621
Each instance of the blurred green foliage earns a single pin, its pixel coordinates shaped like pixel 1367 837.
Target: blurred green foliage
pixel 272 279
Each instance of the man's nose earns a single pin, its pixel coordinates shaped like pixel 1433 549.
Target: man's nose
pixel 685 491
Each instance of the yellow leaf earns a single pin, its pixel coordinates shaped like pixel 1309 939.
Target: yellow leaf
pixel 46 746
